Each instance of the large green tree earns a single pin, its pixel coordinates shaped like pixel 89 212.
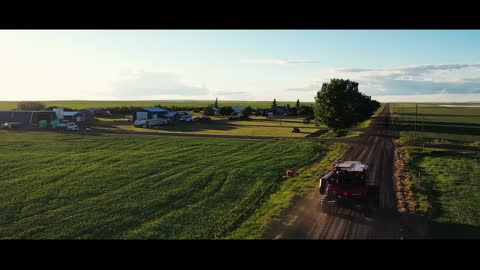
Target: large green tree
pixel 209 110
pixel 339 104
pixel 227 110
pixel 248 111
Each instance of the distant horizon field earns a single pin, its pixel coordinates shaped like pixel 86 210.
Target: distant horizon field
pixel 83 104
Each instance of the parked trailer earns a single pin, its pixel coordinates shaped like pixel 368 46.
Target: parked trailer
pixel 155 122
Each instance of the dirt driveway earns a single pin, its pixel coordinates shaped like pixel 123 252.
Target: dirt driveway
pixel 305 220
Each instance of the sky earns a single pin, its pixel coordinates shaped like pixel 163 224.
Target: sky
pixel 389 65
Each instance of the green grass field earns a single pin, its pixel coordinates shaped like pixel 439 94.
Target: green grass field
pixel 448 189
pixel 256 126
pixel 84 104
pixel 71 186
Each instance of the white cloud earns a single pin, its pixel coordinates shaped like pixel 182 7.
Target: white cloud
pixel 279 61
pixel 146 84
pixel 442 97
pixel 412 70
pixel 424 79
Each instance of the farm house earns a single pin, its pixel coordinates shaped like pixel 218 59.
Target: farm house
pixel 149 113
pixel 26 118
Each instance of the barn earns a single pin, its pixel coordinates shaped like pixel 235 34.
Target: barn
pixel 76 117
pixel 148 113
pixel 27 118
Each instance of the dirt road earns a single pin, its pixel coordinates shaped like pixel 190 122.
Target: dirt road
pixel 307 221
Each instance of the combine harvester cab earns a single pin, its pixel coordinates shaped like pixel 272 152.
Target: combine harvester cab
pixel 346 186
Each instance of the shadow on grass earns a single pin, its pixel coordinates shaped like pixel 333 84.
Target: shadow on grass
pixel 440 230
pixel 450 124
pixel 440 115
pixel 194 127
pixel 457 130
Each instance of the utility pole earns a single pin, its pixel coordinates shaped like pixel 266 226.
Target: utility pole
pixel 423 120
pixel 415 128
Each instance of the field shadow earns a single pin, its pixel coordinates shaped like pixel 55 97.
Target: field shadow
pixel 440 115
pixel 317 133
pixel 194 127
pixel 450 124
pixel 440 230
pixel 457 130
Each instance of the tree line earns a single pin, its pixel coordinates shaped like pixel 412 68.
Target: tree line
pixel 338 104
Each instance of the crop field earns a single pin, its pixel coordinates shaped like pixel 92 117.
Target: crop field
pixel 449 166
pixel 455 125
pixel 84 104
pixel 71 186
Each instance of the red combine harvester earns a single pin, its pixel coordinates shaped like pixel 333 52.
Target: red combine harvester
pixel 347 183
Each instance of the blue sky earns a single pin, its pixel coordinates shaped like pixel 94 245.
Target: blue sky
pixel 390 65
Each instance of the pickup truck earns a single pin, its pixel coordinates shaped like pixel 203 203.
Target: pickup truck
pixel 12 125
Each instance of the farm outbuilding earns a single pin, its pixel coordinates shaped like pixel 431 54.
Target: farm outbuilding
pixel 27 118
pixel 76 117
pixel 237 109
pixel 170 116
pixel 148 113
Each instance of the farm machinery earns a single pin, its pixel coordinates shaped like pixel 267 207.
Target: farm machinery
pixel 346 186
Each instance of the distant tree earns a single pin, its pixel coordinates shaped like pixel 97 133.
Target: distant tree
pixel 305 110
pixel 298 103
pixel 248 111
pixel 208 111
pixel 30 106
pixel 216 103
pixel 49 108
pixel 66 109
pixel 292 111
pixel 274 103
pixel 339 104
pixel 227 110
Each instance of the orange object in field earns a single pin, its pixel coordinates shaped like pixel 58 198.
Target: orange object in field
pixel 290 173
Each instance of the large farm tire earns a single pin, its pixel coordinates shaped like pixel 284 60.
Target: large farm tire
pixel 327 207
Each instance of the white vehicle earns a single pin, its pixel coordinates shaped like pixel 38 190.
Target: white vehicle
pixel 72 127
pixel 186 118
pixel 140 123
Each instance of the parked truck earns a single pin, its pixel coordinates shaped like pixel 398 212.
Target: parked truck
pixel 347 185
